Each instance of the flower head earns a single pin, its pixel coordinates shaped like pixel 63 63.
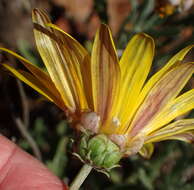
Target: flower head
pixel 111 97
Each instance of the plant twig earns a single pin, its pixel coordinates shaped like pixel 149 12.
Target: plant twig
pixel 25 105
pixel 28 137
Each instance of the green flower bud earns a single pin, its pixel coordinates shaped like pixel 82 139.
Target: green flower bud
pixel 99 151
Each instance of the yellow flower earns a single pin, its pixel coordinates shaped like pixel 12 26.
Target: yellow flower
pixel 108 96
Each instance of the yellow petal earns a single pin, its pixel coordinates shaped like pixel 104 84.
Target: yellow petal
pixel 147 150
pixel 186 137
pixel 165 90
pixel 56 58
pixel 78 60
pixel 156 77
pixel 39 74
pixel 105 72
pixel 175 108
pixel 31 81
pixel 173 130
pixel 135 65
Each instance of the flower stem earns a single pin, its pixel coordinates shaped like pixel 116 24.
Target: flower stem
pixel 79 179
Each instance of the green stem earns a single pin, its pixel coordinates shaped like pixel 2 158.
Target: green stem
pixel 79 179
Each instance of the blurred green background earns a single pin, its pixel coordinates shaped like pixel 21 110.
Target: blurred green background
pixel 41 128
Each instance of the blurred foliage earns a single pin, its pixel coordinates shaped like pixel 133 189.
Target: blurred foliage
pixel 172 165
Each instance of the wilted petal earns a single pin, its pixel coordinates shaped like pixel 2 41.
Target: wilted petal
pixel 165 90
pixel 105 72
pixel 135 65
pixel 176 130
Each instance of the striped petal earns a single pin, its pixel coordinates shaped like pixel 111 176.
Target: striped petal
pixel 79 59
pixel 31 81
pixel 135 65
pixel 156 77
pixel 186 137
pixel 173 61
pixel 165 90
pixel 59 60
pixel 175 108
pixel 180 130
pixel 41 76
pixel 105 72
